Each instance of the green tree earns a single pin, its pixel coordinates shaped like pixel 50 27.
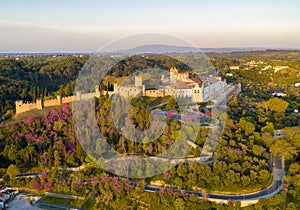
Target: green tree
pixel 284 149
pixel 179 204
pixel 293 135
pixel 6 178
pixel 50 157
pixel 257 150
pixel 275 104
pixel 245 126
pixel 12 171
pixel 268 139
pixel 57 158
pixel 30 149
pixel 269 128
pixel 234 101
pixel 245 181
pixel 171 104
pixel 80 153
pixel 294 168
pixel 264 176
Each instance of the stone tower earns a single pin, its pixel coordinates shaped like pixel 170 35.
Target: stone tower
pixel 59 99
pixel 173 75
pixel 39 104
pixel 97 91
pixel 78 95
pixel 138 81
pixel 19 105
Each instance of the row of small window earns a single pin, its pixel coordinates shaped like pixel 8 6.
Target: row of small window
pixel 130 90
pixel 180 95
pixel 154 91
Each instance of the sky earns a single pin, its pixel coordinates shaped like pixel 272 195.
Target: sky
pixel 87 25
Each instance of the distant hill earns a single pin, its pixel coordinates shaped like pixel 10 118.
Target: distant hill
pixel 159 48
pixel 156 48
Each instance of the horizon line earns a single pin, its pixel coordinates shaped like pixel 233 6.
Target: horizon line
pixel 246 49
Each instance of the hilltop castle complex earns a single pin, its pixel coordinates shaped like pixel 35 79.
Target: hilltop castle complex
pixel 175 84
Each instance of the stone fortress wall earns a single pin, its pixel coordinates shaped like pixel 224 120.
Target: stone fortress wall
pixel 52 102
pixel 24 107
pixel 67 99
pixel 40 104
pixel 124 91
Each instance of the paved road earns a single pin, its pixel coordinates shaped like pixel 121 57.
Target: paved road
pixel 274 188
pixel 20 202
pixel 29 175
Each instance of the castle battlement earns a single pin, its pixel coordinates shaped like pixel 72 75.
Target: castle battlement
pixel 24 107
pixel 28 103
pixel 40 104
pixel 68 99
pixel 52 102
pixel 88 95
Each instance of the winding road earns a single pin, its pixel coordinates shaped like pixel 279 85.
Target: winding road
pixel 273 189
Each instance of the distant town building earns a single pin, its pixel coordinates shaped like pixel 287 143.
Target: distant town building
pixel 279 94
pixel 234 67
pixel 267 67
pixel 251 63
pixel 278 134
pixel 278 68
pixel 297 84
